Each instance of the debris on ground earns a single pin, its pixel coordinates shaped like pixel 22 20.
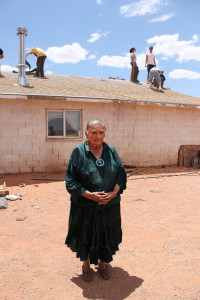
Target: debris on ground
pixel 22 184
pixel 12 197
pixel 3 203
pixel 19 196
pixel 3 190
pixel 35 206
pixel 21 219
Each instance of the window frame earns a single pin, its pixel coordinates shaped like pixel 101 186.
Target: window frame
pixel 50 137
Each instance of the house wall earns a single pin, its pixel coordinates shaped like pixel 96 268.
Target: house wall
pixel 155 139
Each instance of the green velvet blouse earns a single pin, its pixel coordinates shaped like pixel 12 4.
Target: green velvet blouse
pixel 83 173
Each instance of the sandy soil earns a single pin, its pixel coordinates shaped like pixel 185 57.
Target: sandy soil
pixel 158 259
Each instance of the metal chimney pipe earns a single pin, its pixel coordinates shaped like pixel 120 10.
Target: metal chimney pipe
pixel 22 32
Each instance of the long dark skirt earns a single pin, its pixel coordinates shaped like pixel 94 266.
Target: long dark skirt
pixel 94 231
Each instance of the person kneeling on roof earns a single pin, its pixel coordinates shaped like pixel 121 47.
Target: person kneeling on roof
pixel 154 74
pixel 162 80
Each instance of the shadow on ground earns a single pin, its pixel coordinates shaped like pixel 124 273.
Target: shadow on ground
pixel 119 287
pixel 31 178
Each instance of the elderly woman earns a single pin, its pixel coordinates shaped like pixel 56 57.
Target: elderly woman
pixel 95 178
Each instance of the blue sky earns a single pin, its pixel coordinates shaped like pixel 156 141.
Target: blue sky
pixel 92 38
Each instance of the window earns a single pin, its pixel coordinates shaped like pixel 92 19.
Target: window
pixel 64 123
pixel 55 123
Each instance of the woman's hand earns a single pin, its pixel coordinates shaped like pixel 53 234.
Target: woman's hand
pixel 106 197
pixel 101 198
pixel 95 196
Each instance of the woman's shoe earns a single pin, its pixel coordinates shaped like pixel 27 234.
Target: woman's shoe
pixel 105 273
pixel 87 276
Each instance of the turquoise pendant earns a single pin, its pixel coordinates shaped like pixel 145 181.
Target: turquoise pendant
pixel 100 162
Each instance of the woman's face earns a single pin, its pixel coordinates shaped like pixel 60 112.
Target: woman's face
pixel 95 135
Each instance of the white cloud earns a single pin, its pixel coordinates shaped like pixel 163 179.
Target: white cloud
pixel 170 46
pixel 141 61
pixel 106 33
pixel 96 36
pixel 49 72
pixel 7 68
pixel 181 73
pixel 121 61
pixel 163 18
pixel 66 54
pixel 114 61
pixel 91 57
pixel 142 7
pixel 99 2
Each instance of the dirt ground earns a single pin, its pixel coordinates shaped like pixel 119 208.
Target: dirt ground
pixel 159 257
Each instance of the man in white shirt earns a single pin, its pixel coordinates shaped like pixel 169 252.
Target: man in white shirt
pixel 150 61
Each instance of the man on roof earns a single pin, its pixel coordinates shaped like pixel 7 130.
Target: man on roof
pixel 1 56
pixel 41 56
pixel 150 61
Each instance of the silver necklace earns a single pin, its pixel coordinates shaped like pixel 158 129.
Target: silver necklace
pixel 100 162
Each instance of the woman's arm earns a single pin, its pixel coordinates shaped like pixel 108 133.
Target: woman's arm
pixel 73 185
pixel 121 177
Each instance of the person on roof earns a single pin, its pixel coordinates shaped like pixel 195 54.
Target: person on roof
pixel 41 56
pixel 162 78
pixel 135 70
pixel 150 61
pixel 1 56
pixel 154 74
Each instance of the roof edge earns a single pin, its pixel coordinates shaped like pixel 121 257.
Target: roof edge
pixel 95 99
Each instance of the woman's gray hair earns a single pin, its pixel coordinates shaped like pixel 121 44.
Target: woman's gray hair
pixel 94 122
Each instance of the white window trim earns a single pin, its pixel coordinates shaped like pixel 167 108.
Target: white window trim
pixel 64 127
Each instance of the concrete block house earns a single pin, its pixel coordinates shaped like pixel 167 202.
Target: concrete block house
pixel 40 125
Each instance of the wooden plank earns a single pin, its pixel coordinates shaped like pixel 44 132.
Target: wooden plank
pixel 4 190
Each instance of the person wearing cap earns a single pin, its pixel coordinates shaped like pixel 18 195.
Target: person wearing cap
pixel 41 56
pixel 162 78
pixel 154 74
pixel 134 71
pixel 150 61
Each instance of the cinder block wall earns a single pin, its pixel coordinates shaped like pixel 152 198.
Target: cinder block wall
pixel 159 131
